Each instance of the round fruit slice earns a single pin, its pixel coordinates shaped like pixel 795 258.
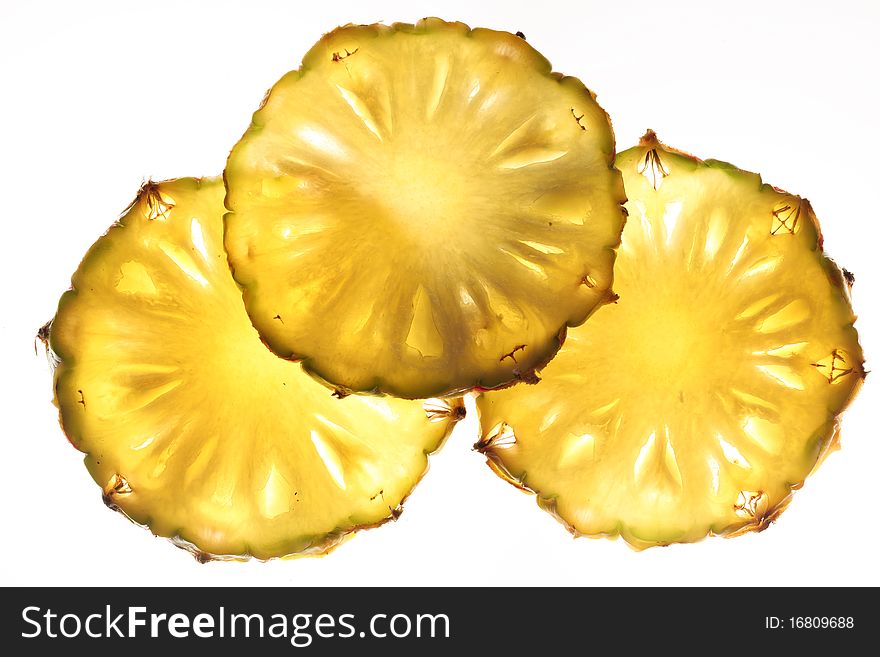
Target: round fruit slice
pixel 195 429
pixel 697 403
pixel 423 209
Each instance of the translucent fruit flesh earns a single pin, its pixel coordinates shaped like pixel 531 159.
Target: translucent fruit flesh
pixel 190 424
pixel 430 202
pixel 712 388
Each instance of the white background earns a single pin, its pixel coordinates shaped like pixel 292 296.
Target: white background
pixel 98 96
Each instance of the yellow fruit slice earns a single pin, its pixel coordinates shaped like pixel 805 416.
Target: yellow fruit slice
pixel 697 403
pixel 423 209
pixel 195 429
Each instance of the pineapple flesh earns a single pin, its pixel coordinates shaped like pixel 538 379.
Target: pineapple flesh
pixel 190 425
pixel 699 401
pixel 423 209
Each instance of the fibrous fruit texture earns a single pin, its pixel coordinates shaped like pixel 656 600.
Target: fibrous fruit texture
pixel 423 209
pixel 190 424
pixel 699 401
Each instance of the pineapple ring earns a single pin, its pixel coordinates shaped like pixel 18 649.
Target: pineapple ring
pixel 422 209
pixel 706 395
pixel 195 429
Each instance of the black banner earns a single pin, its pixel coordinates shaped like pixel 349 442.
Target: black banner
pixel 392 621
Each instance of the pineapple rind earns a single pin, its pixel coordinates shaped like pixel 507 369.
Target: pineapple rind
pixel 190 425
pixel 607 479
pixel 460 272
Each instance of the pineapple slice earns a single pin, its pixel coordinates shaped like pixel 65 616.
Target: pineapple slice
pixel 699 402
pixel 195 429
pixel 423 209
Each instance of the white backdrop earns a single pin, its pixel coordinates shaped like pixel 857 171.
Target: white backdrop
pixel 97 96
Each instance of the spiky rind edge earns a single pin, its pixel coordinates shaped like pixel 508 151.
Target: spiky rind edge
pixel 321 546
pixel 528 375
pixel 827 442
